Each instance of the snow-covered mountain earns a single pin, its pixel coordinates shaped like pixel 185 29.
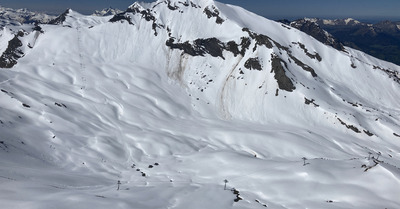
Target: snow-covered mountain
pixel 312 28
pixel 386 26
pixel 174 97
pixel 10 16
pixel 381 39
pixel 107 12
pixel 337 22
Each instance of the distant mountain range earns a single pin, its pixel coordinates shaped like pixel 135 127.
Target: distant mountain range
pixel 10 16
pixel 107 12
pixel 381 40
pixel 16 17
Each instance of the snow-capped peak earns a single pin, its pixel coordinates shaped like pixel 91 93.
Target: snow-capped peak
pixel 10 16
pixel 314 20
pixel 107 12
pixel 328 22
pixel 137 5
pixel 352 21
pixel 63 17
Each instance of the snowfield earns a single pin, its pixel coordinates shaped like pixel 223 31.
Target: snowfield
pixel 171 108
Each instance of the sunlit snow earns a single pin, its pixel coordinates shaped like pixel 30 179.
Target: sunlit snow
pixel 94 102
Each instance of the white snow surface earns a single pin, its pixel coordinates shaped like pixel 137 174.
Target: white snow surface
pixel 5 36
pixel 93 101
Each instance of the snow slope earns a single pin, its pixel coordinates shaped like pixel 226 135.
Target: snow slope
pixel 172 108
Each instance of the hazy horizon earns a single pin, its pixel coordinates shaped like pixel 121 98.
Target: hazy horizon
pixel 366 10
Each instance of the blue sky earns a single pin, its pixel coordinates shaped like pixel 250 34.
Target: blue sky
pixel 273 9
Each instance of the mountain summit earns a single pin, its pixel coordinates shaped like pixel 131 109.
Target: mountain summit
pixel 193 104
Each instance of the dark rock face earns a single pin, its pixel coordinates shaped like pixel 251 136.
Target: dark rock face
pixel 60 19
pixel 133 10
pixel 185 4
pixel 381 40
pixel 123 15
pixel 13 52
pixel 260 39
pixel 146 14
pixel 304 66
pixel 233 47
pixel 186 47
pixel 264 205
pixel 200 47
pixel 38 28
pixel 318 33
pixel 60 104
pixel 176 7
pixel 245 44
pixel 351 127
pixel 368 133
pixel 391 73
pixel 211 46
pixel 312 56
pixel 312 101
pixel 263 40
pixel 194 5
pixel 213 12
pixel 284 21
pixel 120 17
pixel 314 30
pixel 283 80
pixel 172 7
pixel 253 64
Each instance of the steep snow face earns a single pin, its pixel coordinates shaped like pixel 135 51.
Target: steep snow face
pixel 172 107
pixel 5 36
pixel 303 56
